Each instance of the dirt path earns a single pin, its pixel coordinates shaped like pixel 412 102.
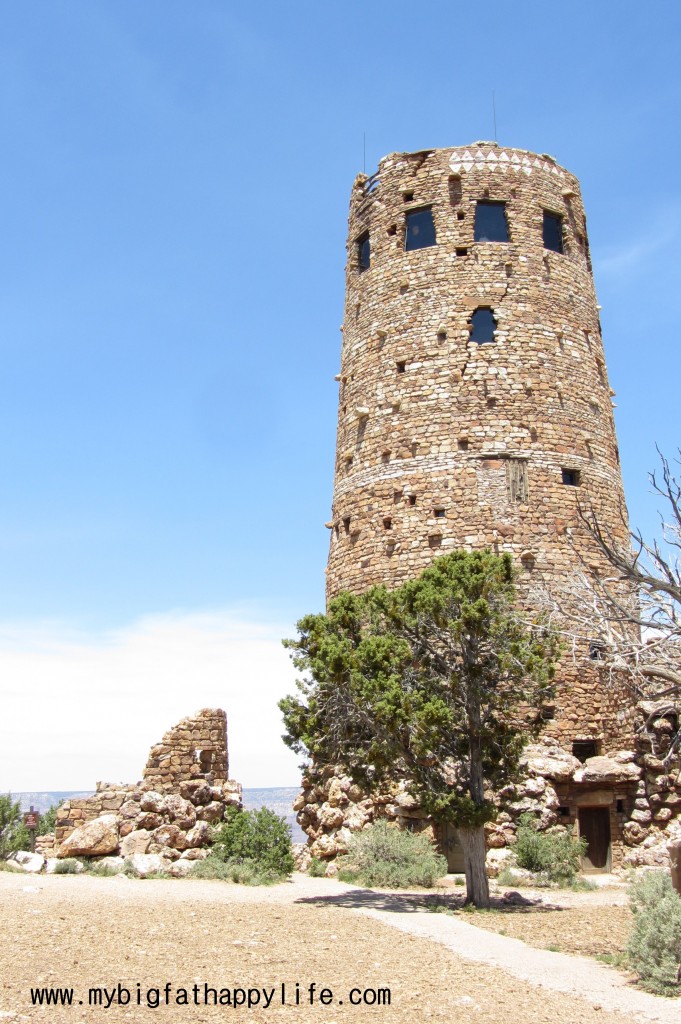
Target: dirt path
pixel 85 933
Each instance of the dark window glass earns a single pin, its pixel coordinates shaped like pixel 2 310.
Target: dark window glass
pixel 483 326
pixel 570 477
pixel 596 650
pixel 420 231
pixel 581 749
pixel 490 222
pixel 363 252
pixel 553 231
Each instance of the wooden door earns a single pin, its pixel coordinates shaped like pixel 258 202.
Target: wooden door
pixel 594 826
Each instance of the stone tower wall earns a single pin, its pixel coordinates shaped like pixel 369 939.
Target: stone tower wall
pixel 446 443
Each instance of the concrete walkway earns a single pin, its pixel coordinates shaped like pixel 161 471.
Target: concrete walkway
pixel 576 976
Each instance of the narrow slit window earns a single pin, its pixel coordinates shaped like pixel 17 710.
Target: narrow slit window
pixel 516 480
pixel 412 499
pixel 490 222
pixel 387 523
pixel 439 513
pixel 420 230
pixel 553 231
pixel 363 252
pixel 570 477
pixel 483 325
pixel 401 366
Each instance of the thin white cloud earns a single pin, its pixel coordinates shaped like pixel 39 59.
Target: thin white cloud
pixel 636 252
pixel 77 707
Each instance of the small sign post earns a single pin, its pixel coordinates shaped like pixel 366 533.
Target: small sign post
pixel 31 819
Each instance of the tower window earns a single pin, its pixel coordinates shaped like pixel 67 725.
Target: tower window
pixel 582 749
pixel 401 366
pixel 363 252
pixel 439 513
pixel 420 232
pixel 553 231
pixel 412 499
pixel 483 325
pixel 516 479
pixel 490 222
pixel 387 523
pixel 570 477
pixel 596 650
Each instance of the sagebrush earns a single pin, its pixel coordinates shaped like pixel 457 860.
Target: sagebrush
pixel 654 947
pixel 388 857
pixel 557 855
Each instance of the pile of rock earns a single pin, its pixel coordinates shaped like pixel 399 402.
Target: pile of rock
pixel 162 823
pixel 554 785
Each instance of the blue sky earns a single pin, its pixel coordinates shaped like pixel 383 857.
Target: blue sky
pixel 174 188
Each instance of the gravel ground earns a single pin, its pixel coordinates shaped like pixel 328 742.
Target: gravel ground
pixel 85 932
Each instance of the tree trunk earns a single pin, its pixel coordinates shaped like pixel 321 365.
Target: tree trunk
pixel 674 849
pixel 474 855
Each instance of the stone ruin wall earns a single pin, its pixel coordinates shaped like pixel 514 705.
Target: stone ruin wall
pixel 444 443
pixel 184 790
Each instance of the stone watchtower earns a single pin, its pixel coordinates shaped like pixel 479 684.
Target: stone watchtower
pixel 474 406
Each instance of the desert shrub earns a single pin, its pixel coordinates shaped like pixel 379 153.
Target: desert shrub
pixel 316 868
pixel 387 857
pixel 259 839
pixel 68 866
pixel 654 947
pixel 96 867
pixel 554 854
pixel 245 872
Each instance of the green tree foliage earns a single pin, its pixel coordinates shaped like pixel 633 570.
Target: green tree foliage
pixel 655 944
pixel 554 854
pixel 47 820
pixel 438 682
pixel 387 857
pixel 13 833
pixel 260 840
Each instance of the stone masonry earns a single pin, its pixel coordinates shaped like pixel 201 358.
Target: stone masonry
pixel 449 437
pixel 185 790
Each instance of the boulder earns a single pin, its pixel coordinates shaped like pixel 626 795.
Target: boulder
pixel 136 842
pixel 149 821
pixel 31 862
pixel 549 762
pixel 170 835
pixel 180 868
pixel 116 864
pixel 356 817
pixel 199 835
pixel 194 854
pixel 324 847
pixel 130 809
pixel 93 839
pixel 181 811
pixel 210 812
pixel 330 817
pixel 145 864
pixel 600 770
pixel 196 791
pixel 153 801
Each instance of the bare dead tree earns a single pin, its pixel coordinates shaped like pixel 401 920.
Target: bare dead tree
pixel 629 617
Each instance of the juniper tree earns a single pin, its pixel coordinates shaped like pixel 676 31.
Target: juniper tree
pixel 437 682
